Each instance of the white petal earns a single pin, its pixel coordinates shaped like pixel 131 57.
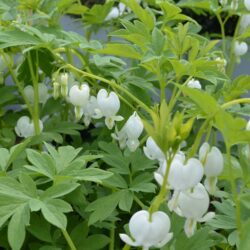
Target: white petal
pixel 210 184
pixel 207 217
pixel 168 237
pixel 190 227
pixel 159 178
pixel 128 240
pixel 134 126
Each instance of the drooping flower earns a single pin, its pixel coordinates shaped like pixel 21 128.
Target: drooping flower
pixel 148 232
pixel 213 162
pixel 116 11
pixel 234 4
pixel 181 175
pixel 79 95
pixel 130 132
pixel 25 127
pixel 194 84
pixel 240 48
pixel 42 92
pixel 109 105
pixel 152 151
pixel 193 205
pixel 248 125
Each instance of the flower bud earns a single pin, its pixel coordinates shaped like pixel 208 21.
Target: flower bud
pixel 64 84
pixel 240 48
pixel 79 95
pixel 42 93
pixel 148 232
pixel 248 125
pixel 56 90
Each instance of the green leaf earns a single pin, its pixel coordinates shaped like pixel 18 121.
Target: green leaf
pixel 42 163
pixel 4 157
pixel 145 15
pixel 123 50
pixel 16 227
pixel 54 214
pixel 126 200
pixel 95 242
pixel 59 190
pixel 16 150
pixel 142 183
pixel 244 236
pixel 115 158
pixel 17 38
pixel 28 184
pixel 103 207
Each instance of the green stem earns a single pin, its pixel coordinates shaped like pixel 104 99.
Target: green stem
pixel 222 33
pixel 232 57
pixel 163 191
pixel 69 240
pixel 233 187
pixel 36 94
pixel 112 237
pixel 237 101
pixel 139 202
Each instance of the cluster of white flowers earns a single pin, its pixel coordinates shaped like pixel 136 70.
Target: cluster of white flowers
pixel 104 105
pixel 185 177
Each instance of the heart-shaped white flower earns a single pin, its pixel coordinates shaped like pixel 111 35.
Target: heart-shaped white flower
pixel 25 127
pixel 194 84
pixel 79 95
pixel 148 233
pixel 193 205
pixel 212 159
pixel 240 48
pixel 42 91
pixel 181 175
pixel 109 105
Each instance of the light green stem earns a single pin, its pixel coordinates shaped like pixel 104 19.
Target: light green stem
pixel 36 96
pixel 237 101
pixel 69 240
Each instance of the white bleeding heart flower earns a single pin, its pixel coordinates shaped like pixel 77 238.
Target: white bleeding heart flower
pixel 25 127
pixel 247 4
pixel 79 95
pixel 152 151
pixel 194 84
pixel 212 159
pixel 240 48
pixel 42 93
pixel 109 105
pixel 148 232
pixel 181 175
pixel 193 205
pixel 129 134
pixel 116 12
